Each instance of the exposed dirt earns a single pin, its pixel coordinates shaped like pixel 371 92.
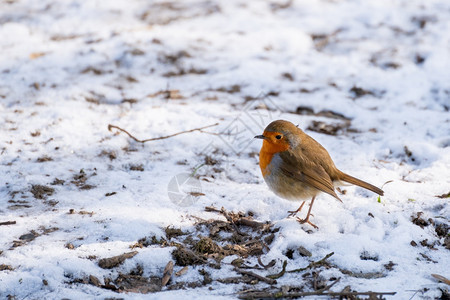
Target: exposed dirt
pixel 213 240
pixel 41 191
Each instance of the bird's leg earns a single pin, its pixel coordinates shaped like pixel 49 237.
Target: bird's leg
pixel 292 213
pixel 306 220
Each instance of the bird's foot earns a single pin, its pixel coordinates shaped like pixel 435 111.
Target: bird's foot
pixel 303 221
pixel 292 213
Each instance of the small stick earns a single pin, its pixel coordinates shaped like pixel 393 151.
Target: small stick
pixel 276 276
pixel 259 277
pixel 8 223
pixel 389 181
pixel 249 223
pixel 212 209
pixel 313 264
pixel 161 137
pixel 269 265
pixel 244 221
pixel 111 262
pixel 330 285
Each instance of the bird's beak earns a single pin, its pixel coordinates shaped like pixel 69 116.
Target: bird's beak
pixel 260 137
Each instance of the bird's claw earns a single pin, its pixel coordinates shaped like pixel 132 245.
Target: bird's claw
pixel 303 221
pixel 292 213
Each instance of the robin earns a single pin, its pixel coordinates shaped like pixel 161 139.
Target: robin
pixel 297 167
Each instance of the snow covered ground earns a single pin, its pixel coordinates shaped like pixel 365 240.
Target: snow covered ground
pixel 75 193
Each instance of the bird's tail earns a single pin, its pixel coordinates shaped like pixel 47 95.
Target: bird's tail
pixel 361 183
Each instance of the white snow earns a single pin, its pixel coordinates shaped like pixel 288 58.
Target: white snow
pixel 70 68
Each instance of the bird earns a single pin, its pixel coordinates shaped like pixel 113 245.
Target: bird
pixel 297 167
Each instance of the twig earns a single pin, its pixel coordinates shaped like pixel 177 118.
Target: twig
pixel 269 265
pixel 315 276
pixel 241 221
pixel 8 223
pixel 259 277
pixel 249 223
pixel 368 275
pixel 230 219
pixel 389 181
pixel 415 293
pixel 161 137
pixel 111 262
pixel 212 209
pixel 273 295
pixel 276 276
pixel 329 286
pixel 313 264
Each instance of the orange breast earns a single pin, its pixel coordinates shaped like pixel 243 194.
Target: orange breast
pixel 264 160
pixel 268 149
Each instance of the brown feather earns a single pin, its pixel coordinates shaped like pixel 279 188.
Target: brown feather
pixel 309 173
pixel 350 179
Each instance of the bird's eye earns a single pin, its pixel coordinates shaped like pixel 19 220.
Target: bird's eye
pixel 278 137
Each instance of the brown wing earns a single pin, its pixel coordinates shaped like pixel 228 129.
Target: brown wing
pixel 307 172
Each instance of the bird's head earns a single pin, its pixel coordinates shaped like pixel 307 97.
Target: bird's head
pixel 279 136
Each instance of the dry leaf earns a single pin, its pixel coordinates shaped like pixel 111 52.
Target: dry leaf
pixel 182 271
pixel 35 55
pixel 441 278
pixel 168 270
pixel 111 262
